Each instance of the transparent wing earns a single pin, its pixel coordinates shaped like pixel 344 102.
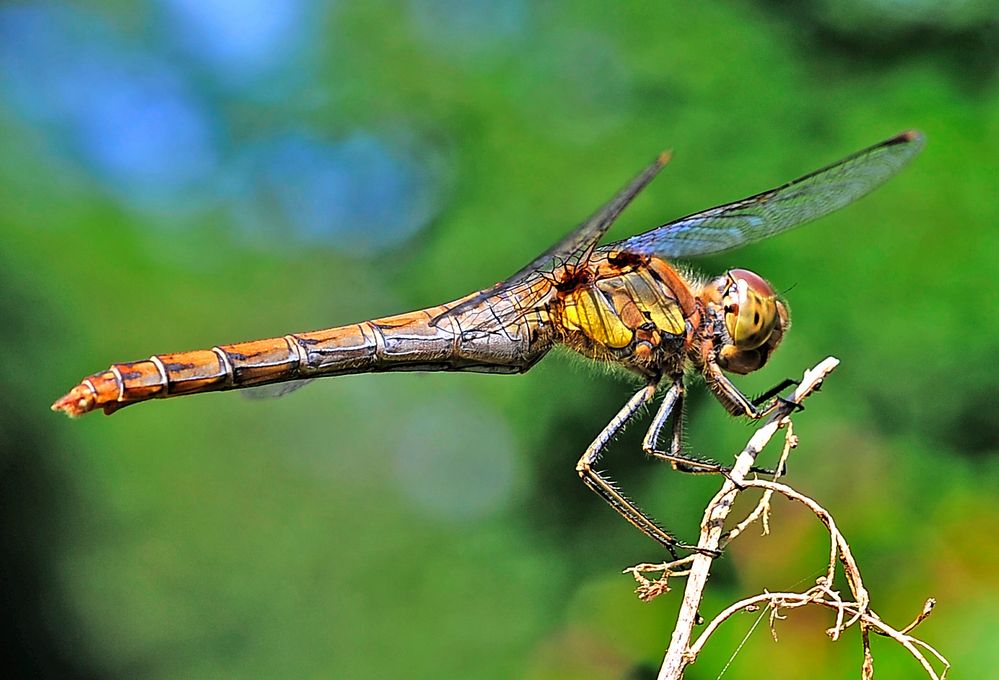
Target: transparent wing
pixel 771 212
pixel 274 390
pixel 578 244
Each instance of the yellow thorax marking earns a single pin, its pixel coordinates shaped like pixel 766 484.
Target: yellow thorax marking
pixel 587 310
pixel 650 297
pixel 610 311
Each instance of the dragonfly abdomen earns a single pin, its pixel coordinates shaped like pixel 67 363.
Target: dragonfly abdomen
pixel 168 375
pixel 407 342
pixel 413 342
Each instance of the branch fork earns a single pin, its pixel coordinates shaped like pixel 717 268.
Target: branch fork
pixel 653 579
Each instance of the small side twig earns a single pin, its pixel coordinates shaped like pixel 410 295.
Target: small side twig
pixel 848 612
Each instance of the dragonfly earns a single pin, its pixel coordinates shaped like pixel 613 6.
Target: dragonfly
pixel 625 303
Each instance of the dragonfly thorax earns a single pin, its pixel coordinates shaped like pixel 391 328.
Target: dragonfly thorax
pixel 635 312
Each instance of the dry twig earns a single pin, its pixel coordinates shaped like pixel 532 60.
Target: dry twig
pixel 848 612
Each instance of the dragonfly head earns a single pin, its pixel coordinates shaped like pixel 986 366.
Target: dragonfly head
pixel 755 319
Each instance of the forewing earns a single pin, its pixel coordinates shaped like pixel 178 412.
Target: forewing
pixel 772 212
pixel 580 242
pixel 577 245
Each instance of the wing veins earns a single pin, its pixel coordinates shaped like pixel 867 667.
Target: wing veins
pixel 574 247
pixel 777 210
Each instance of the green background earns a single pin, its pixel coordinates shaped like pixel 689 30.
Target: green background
pixel 432 525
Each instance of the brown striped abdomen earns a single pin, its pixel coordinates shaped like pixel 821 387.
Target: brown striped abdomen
pixel 407 342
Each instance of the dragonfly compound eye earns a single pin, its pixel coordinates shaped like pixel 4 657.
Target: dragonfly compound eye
pixel 750 310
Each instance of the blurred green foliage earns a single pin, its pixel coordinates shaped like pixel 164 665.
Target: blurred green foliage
pixel 433 525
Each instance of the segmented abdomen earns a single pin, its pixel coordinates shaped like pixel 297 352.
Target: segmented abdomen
pixel 406 342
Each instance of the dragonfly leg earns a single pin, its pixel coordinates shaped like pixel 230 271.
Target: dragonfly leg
pixel 605 488
pixel 775 390
pixel 732 398
pixel 676 456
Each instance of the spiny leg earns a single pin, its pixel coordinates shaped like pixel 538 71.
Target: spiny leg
pixel 676 456
pixel 603 487
pixel 775 390
pixel 732 398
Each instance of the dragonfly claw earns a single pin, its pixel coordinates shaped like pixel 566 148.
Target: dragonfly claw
pixel 709 552
pixel 726 472
pixel 792 406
